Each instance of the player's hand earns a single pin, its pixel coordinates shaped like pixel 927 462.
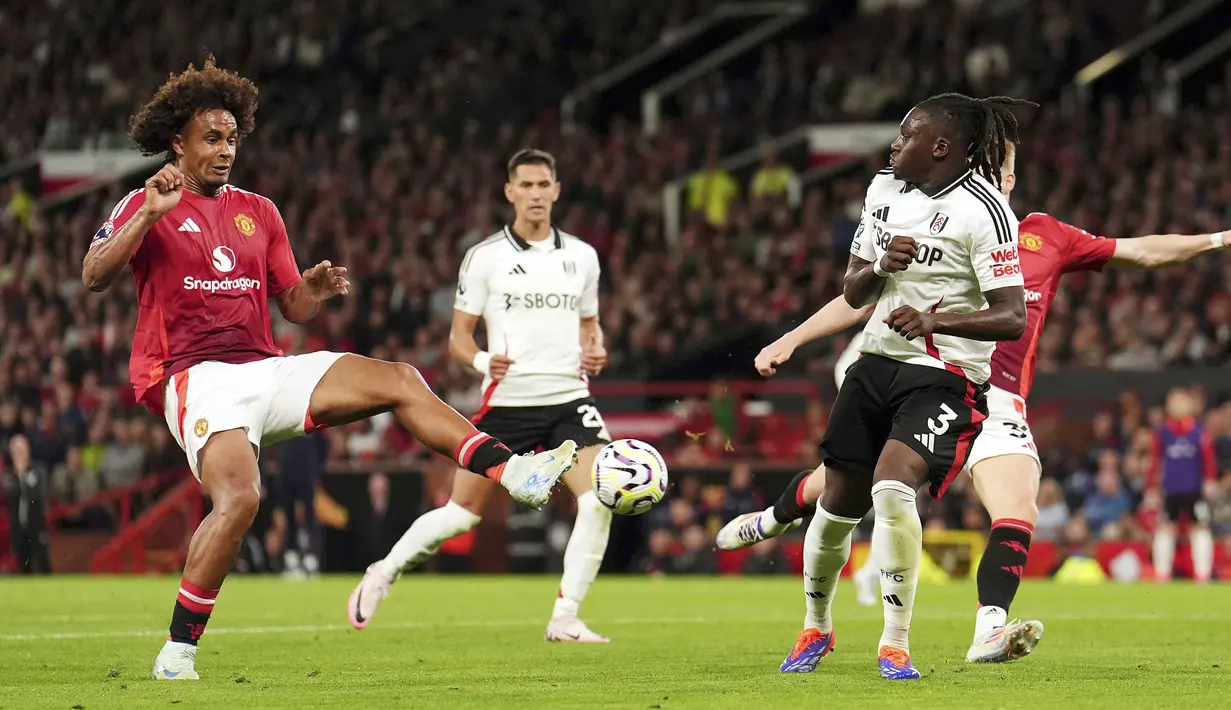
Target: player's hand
pixel 164 190
pixel 772 355
pixel 901 252
pixel 326 281
pixel 1210 489
pixel 593 358
pixel 499 367
pixel 910 323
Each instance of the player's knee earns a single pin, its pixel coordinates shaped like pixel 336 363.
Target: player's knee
pixel 407 383
pixel 894 501
pixel 237 505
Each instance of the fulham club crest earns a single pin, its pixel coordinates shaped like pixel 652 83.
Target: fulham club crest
pixel 939 222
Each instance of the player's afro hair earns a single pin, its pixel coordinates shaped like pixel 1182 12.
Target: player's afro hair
pixel 186 94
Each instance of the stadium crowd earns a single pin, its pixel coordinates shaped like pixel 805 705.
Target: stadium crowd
pixel 395 176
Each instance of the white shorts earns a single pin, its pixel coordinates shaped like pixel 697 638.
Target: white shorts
pixel 1005 431
pixel 268 399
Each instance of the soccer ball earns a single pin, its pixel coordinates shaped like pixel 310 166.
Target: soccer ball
pixel 630 476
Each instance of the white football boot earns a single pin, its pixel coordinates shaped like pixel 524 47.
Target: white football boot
pixel 1010 642
pixel 363 601
pixel 176 661
pixel 529 478
pixel 572 630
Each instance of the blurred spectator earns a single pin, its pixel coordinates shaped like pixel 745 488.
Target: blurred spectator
pixel 1053 513
pixel 776 182
pixel 712 189
pixel 123 461
pixel 25 487
pixel 1109 503
pixel 766 558
pixel 697 556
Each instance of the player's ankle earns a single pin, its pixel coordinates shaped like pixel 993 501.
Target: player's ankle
pixel 770 524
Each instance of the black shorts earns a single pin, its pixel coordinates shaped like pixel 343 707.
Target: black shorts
pixel 935 412
pixel 526 429
pixel 1190 506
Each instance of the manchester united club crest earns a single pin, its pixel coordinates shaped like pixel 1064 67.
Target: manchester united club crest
pixel 201 428
pixel 245 224
pixel 1031 241
pixel 939 222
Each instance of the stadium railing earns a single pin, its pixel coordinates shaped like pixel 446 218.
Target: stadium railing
pixel 779 19
pixel 622 83
pixel 1176 36
pixel 131 550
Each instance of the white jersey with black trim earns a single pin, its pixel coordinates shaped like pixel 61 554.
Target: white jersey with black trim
pixel 532 297
pixel 967 240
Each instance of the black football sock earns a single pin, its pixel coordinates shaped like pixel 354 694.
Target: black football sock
pixel 1004 562
pixel 790 506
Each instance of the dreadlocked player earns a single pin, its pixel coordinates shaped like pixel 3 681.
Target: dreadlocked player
pixel 1003 462
pixel 936 250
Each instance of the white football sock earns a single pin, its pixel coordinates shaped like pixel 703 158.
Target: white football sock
pixel 425 536
pixel 897 547
pixel 583 555
pixel 827 546
pixel 769 524
pixel 1201 540
pixel 989 618
pixel 1164 553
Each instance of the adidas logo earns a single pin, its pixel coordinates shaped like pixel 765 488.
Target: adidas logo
pixel 190 226
pixel 928 440
pixel 517 270
pixel 892 599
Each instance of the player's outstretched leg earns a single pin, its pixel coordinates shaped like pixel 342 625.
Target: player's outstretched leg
pixel 582 557
pixel 425 536
pixel 1008 487
pixel 897 547
pixel 231 479
pixel 356 387
pixel 797 502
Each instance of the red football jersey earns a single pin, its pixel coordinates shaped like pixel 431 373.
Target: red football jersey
pixel 204 274
pixel 1048 248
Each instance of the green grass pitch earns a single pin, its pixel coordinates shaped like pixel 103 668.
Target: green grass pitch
pixel 477 642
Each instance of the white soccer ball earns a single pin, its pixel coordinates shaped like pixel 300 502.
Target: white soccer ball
pixel 630 476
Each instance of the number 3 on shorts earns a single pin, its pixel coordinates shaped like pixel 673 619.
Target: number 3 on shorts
pixel 591 419
pixel 947 416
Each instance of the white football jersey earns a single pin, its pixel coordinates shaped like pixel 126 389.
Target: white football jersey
pixel 967 237
pixel 532 297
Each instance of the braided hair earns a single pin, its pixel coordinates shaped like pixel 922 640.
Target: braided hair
pixel 984 125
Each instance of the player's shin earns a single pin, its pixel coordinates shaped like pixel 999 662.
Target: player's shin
pixel 584 554
pixel 1164 552
pixel 1000 571
pixel 425 536
pixel 792 505
pixel 1201 540
pixel 827 546
pixel 897 544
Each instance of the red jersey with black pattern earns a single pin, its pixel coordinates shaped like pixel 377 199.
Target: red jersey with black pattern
pixel 1048 249
pixel 204 273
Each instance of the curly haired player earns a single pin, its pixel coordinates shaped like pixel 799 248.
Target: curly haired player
pixel 206 256
pixel 1003 462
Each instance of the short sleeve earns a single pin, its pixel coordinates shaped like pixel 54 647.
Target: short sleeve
pixel 993 247
pixel 472 283
pixel 1085 252
pixel 281 270
pixel 589 296
pixel 119 216
pixel 861 244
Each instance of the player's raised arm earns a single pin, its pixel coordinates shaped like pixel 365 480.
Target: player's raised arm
pixel 110 251
pixel 1156 251
pixel 468 307
pixel 834 317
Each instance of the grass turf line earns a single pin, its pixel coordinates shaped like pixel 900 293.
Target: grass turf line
pixel 677 643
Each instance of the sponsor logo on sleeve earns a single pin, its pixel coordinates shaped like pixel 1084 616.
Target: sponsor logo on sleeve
pixel 1004 263
pixel 103 234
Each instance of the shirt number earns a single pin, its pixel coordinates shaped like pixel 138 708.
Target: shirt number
pixel 591 419
pixel 947 417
